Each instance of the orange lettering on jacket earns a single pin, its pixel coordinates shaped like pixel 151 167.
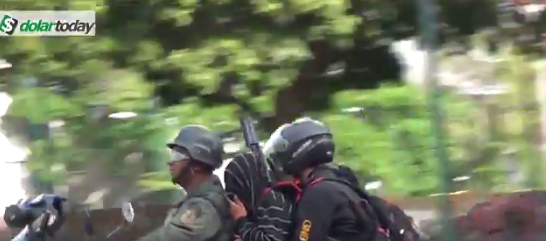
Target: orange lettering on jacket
pixel 305 229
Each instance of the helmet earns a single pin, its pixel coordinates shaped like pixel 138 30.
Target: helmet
pixel 201 143
pixel 301 144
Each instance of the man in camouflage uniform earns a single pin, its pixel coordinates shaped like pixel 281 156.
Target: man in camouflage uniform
pixel 204 213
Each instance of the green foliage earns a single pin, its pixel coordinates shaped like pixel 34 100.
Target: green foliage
pixel 523 121
pixel 156 181
pixel 199 58
pixel 393 140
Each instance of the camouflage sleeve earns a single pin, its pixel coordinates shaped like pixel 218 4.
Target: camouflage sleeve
pixel 196 220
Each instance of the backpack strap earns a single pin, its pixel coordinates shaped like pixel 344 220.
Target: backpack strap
pixel 321 179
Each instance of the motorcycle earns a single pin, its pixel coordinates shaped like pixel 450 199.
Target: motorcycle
pixel 44 215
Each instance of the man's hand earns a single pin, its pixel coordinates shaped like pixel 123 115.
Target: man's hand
pixel 238 238
pixel 237 208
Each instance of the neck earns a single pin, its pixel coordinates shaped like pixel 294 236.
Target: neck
pixel 194 183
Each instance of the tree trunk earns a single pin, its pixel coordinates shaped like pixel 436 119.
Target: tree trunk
pixel 540 83
pixel 293 100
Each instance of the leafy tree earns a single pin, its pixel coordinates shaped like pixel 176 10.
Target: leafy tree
pixel 521 112
pixel 392 139
pixel 234 51
pixel 207 59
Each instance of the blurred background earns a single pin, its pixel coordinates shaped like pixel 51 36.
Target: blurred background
pixel 88 117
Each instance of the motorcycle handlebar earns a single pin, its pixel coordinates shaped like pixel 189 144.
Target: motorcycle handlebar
pixel 44 208
pixel 24 235
pixel 27 212
pixel 27 234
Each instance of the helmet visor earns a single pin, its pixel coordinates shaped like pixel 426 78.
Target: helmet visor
pixel 276 142
pixel 272 145
pixel 177 156
pixel 277 151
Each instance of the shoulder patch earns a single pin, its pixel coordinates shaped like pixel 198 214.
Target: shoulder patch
pixel 188 216
pixel 191 210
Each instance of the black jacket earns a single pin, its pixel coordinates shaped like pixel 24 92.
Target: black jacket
pixel 330 210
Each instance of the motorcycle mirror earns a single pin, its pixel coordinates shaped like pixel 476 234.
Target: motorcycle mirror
pixel 128 212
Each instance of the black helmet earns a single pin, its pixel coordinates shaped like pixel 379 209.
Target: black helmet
pixel 301 144
pixel 202 144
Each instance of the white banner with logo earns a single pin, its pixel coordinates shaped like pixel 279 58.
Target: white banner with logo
pixel 47 23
